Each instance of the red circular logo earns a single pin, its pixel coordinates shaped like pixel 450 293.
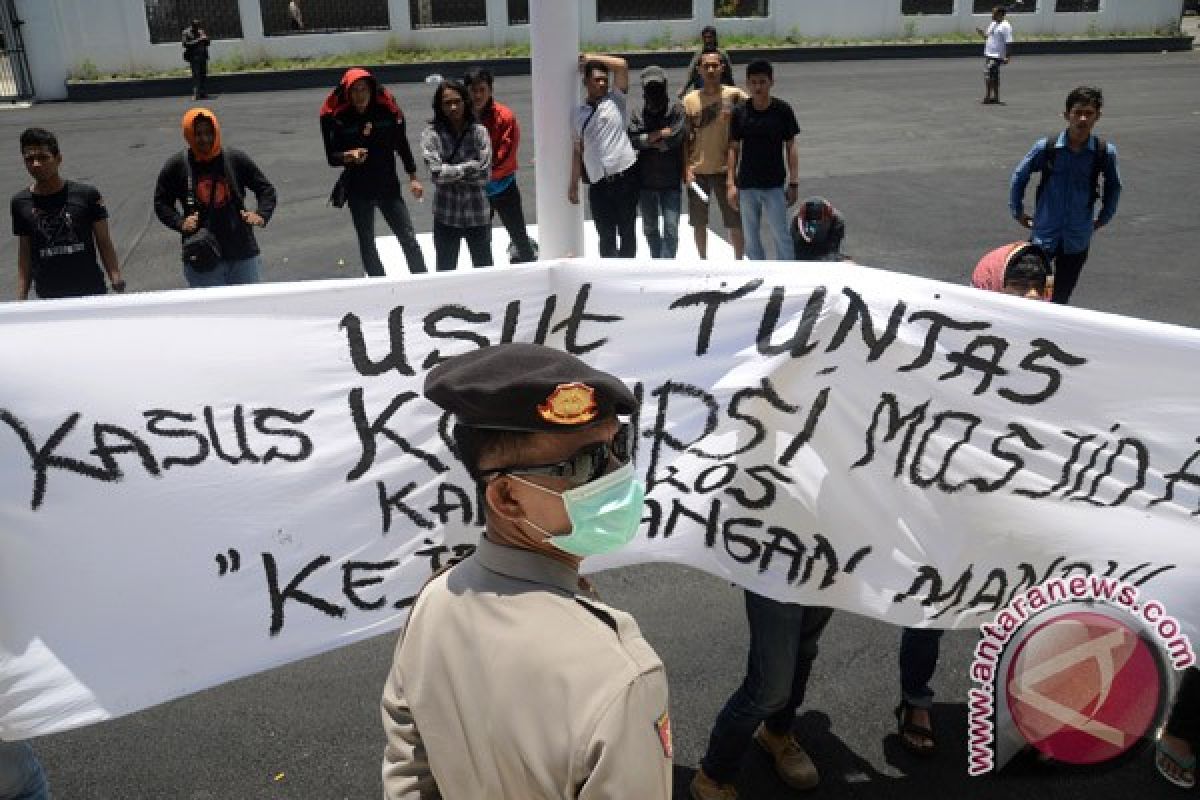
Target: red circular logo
pixel 1083 687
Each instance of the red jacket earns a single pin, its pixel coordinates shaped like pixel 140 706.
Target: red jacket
pixel 505 134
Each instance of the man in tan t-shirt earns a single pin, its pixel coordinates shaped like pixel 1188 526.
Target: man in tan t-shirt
pixel 709 111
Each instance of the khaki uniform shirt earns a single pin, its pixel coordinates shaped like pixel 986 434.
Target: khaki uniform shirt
pixel 507 683
pixel 708 128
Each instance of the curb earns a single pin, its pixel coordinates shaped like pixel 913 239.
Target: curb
pixel 93 91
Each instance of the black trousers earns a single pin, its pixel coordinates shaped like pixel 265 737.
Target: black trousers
pixel 507 205
pixel 1184 720
pixel 199 76
pixel 1067 267
pixel 614 211
pixel 395 213
pixel 446 239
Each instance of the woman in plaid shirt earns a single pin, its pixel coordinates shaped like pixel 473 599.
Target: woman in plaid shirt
pixel 459 154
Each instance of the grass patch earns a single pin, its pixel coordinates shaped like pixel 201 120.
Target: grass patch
pixel 393 53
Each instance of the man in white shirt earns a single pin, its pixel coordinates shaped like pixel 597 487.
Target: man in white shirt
pixel 604 156
pixel 998 38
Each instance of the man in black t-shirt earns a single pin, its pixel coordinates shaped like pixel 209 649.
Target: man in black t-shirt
pixel 757 172
pixel 61 225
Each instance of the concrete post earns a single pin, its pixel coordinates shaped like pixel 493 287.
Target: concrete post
pixel 554 28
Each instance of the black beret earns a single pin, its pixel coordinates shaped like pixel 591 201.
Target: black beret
pixel 526 387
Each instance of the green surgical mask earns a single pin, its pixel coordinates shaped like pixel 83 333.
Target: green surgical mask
pixel 604 513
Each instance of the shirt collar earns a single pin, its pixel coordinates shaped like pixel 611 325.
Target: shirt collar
pixel 1062 141
pixel 525 565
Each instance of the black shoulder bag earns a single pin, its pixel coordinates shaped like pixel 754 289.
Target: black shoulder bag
pixel 201 250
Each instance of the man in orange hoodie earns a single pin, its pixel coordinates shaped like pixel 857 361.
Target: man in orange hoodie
pixel 202 189
pixel 505 133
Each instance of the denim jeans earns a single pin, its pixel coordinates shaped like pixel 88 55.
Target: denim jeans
pixel 666 202
pixel 446 239
pixel 614 212
pixel 783 644
pixel 771 204
pixel 507 205
pixel 395 213
pixel 21 776
pixel 918 659
pixel 232 272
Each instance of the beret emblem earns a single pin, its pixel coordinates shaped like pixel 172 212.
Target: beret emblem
pixel 569 404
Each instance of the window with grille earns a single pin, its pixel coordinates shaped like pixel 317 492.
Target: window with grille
pixel 518 12
pixel 740 8
pixel 630 10
pixel 167 18
pixel 283 17
pixel 447 13
pixel 1077 5
pixel 1012 6
pixel 913 7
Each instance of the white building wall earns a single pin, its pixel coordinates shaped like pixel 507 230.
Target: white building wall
pixel 61 35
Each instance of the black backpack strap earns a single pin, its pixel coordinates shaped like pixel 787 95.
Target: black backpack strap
pixel 1049 152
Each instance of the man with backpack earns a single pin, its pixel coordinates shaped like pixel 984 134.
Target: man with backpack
pixel 200 194
pixel 1071 164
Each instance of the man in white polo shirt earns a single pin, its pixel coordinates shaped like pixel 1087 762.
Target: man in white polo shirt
pixel 604 156
pixel 998 36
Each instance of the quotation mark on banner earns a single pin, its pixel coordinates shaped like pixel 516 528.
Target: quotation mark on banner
pixel 231 564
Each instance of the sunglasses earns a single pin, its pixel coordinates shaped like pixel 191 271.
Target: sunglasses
pixel 584 466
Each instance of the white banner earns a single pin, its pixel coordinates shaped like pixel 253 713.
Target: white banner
pixel 195 486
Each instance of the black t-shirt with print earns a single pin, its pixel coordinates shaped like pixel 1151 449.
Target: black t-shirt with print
pixel 762 134
pixel 59 227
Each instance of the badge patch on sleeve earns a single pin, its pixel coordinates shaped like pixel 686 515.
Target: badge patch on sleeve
pixel 663 726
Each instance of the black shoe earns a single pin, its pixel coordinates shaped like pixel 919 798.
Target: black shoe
pixel 905 728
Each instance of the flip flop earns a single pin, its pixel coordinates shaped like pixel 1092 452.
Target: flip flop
pixel 1183 764
pixel 905 725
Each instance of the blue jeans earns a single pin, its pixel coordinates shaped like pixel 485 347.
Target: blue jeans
pixel 21 776
pixel 918 659
pixel 783 644
pixel 226 273
pixel 395 214
pixel 666 202
pixel 771 204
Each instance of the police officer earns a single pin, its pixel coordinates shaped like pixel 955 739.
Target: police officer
pixel 511 680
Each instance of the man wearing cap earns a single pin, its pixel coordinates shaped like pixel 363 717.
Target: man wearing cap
pixel 1020 269
pixel 817 231
pixel 657 135
pixel 603 156
pixel 511 679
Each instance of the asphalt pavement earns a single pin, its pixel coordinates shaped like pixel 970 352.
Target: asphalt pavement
pixel 919 168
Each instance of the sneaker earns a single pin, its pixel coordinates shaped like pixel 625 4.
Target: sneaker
pixel 705 788
pixel 792 764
